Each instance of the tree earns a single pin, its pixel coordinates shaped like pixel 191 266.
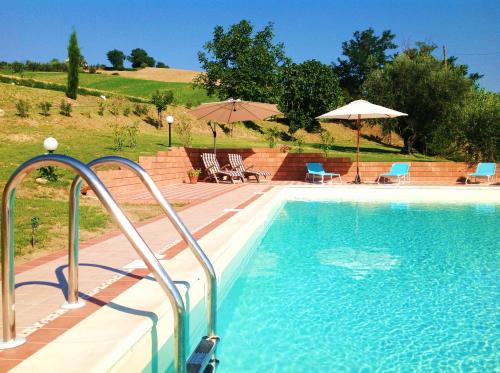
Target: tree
pixel 162 65
pixel 432 96
pixel 116 58
pixel 364 54
pixel 241 64
pixel 75 58
pixel 140 58
pixel 481 126
pixel 161 99
pixel 307 90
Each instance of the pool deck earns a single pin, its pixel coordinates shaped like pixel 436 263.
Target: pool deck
pixel 109 265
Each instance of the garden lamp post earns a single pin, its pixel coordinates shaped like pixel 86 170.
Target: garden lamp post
pixel 170 120
pixel 50 144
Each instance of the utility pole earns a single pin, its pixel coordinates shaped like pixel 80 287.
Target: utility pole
pixel 445 62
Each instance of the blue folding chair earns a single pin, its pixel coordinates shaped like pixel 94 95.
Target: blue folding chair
pixel 399 170
pixel 316 170
pixel 486 170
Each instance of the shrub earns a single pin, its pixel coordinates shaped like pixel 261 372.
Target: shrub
pixel 140 109
pixel 49 173
pixel 65 108
pixel 23 108
pixel 272 135
pixel 119 136
pixel 45 107
pixel 326 141
pixel 285 148
pixel 101 108
pixel 183 128
pixel 299 140
pixel 115 105
pixel 93 69
pixel 126 111
pixel 132 131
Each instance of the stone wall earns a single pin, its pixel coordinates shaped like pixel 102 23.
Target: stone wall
pixel 170 167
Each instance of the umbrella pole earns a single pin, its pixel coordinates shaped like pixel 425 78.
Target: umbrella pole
pixel 357 179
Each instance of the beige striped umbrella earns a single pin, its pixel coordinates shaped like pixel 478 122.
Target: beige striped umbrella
pixel 232 110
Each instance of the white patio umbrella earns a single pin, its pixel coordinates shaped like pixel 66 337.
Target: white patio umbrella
pixel 360 109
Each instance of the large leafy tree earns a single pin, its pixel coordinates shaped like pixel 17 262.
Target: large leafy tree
pixel 365 53
pixel 480 127
pixel 306 91
pixel 433 96
pixel 239 63
pixel 74 59
pixel 140 58
pixel 116 58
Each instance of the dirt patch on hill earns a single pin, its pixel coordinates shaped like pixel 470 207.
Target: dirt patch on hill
pixel 161 75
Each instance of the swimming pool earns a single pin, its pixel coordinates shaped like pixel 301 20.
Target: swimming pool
pixel 351 286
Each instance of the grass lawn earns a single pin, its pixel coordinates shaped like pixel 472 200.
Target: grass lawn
pixel 184 93
pixel 86 135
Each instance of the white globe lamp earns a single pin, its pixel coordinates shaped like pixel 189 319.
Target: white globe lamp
pixel 50 144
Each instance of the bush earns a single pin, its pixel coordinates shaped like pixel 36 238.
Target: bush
pixel 49 173
pixel 93 69
pixel 65 108
pixel 272 135
pixel 140 109
pixel 299 141
pixel 23 108
pixel 126 111
pixel 119 136
pixel 125 135
pixel 183 128
pixel 115 105
pixel 132 131
pixel 101 108
pixel 45 108
pixel 326 142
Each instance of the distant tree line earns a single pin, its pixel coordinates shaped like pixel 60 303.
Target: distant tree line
pixel 53 65
pixel 448 114
pixel 138 57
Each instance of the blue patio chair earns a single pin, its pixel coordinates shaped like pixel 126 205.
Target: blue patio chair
pixel 316 169
pixel 486 170
pixel 399 170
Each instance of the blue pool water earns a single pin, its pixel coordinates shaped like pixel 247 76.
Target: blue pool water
pixel 334 287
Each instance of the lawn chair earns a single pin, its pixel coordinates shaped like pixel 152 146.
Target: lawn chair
pixel 316 170
pixel 399 170
pixel 487 170
pixel 214 171
pixel 237 164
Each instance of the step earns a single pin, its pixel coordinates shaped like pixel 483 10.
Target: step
pixel 201 359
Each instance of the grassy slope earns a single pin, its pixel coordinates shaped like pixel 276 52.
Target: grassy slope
pixel 184 93
pixel 86 136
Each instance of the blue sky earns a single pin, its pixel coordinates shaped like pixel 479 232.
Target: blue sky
pixel 174 31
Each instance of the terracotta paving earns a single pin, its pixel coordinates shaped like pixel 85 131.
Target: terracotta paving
pixel 41 285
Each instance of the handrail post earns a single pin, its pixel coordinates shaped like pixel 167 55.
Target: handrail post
pixel 8 281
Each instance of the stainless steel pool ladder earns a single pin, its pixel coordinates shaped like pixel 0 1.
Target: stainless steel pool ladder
pixel 203 355
pixel 10 339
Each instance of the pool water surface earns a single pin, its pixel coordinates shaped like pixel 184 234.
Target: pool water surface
pixel 365 287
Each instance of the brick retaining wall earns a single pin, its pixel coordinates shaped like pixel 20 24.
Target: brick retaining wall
pixel 170 167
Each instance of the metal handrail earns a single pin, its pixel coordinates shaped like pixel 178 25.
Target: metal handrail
pixel 172 216
pixel 8 282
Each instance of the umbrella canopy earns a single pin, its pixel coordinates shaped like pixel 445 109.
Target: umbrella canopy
pixel 232 110
pixel 357 110
pixel 361 109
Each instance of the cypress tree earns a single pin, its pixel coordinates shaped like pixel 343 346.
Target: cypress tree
pixel 73 66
